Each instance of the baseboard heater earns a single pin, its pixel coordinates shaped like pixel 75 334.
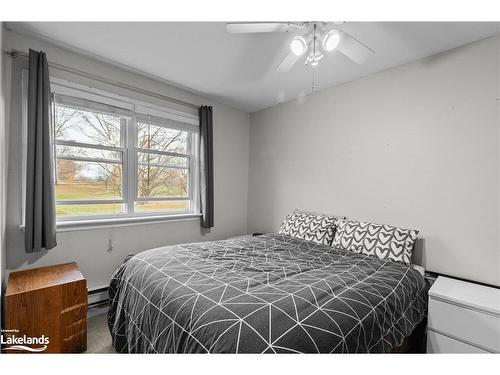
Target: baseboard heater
pixel 98 297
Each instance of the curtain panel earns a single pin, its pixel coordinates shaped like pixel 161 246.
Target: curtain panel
pixel 206 166
pixel 40 215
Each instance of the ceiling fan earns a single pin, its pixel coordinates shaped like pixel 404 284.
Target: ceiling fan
pixel 313 39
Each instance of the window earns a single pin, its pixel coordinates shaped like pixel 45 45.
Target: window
pixel 163 155
pixel 121 158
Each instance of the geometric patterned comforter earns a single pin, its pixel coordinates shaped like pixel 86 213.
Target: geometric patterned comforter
pixel 265 294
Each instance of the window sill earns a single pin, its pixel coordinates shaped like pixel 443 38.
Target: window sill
pixel 76 225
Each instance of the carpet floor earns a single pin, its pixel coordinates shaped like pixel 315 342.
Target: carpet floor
pixel 98 337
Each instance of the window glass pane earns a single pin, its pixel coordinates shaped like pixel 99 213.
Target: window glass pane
pixel 87 180
pixel 87 153
pixel 161 182
pixel 165 160
pixel 87 127
pixel 152 137
pixel 90 209
pixel 162 206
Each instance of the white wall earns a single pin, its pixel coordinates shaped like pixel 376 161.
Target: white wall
pixel 415 146
pixel 3 166
pixel 89 248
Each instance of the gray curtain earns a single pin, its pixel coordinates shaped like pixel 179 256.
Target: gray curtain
pixel 206 166
pixel 40 218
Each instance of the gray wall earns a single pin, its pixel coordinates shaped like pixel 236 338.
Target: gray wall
pixel 415 146
pixel 89 247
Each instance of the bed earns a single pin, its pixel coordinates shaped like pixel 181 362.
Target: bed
pixel 265 294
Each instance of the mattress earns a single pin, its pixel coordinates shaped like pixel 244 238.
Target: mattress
pixel 265 294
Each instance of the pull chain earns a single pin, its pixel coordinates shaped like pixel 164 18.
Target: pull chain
pixel 313 84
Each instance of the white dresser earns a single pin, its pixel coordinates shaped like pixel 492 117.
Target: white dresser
pixel 463 317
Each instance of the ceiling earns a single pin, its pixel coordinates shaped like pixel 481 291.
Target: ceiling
pixel 239 69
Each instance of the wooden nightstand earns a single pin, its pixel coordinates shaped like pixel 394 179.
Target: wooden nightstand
pixel 50 301
pixel 463 317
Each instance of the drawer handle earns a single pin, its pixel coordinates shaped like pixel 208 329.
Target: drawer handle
pixel 82 332
pixel 73 307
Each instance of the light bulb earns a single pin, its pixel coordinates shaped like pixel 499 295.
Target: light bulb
pixel 298 45
pixel 331 40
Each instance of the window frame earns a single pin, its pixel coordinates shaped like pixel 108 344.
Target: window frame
pixel 191 155
pixel 129 150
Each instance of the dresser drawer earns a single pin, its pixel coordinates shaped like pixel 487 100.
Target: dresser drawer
pixel 437 343
pixel 473 326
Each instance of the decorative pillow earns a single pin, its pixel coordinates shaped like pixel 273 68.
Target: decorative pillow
pixel 382 241
pixel 310 227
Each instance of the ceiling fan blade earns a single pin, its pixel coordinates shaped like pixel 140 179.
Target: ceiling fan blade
pixel 353 48
pixel 259 27
pixel 288 62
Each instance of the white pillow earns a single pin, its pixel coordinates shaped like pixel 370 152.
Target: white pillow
pixel 310 227
pixel 380 240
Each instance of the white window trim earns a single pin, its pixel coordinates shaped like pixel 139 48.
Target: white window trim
pixel 130 150
pixel 76 225
pixel 111 222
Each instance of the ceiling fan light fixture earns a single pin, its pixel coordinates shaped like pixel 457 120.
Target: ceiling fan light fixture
pixel 331 40
pixel 298 46
pixel 314 58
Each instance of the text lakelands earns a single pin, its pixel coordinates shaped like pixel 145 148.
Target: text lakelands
pixel 23 340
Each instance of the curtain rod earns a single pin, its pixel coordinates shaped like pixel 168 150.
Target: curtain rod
pixel 15 53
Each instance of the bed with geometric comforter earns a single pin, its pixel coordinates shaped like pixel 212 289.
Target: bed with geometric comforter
pixel 265 294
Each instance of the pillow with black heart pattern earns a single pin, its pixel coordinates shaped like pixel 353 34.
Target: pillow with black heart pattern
pixel 310 227
pixel 382 241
